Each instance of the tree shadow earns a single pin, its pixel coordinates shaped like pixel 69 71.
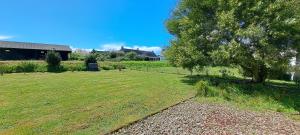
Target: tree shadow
pixel 288 94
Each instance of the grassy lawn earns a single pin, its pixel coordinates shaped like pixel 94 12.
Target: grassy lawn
pixel 84 102
pixel 274 95
pixel 98 102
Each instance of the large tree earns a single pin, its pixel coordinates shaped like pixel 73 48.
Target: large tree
pixel 256 35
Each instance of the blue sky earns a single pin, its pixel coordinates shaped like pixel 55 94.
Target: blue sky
pixel 87 24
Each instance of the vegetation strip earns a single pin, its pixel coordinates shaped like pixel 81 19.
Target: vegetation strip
pixel 152 114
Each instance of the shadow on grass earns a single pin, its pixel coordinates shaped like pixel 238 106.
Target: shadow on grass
pixel 56 69
pixel 287 94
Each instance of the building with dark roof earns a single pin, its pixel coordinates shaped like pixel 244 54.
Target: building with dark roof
pixel 148 55
pixel 30 51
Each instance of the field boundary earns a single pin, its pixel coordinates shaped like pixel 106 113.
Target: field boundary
pixel 150 115
pixel 162 72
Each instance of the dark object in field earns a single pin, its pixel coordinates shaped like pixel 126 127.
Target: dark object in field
pixel 93 67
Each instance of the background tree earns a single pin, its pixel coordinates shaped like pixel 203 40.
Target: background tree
pixel 131 56
pixel 257 35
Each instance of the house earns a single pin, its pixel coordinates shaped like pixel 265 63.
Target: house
pixel 148 55
pixel 30 51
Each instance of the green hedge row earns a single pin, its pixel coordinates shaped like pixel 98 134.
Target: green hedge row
pixel 41 66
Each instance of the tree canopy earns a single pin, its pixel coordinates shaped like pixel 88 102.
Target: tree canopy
pixel 259 36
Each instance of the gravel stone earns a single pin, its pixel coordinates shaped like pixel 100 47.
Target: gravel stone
pixel 193 118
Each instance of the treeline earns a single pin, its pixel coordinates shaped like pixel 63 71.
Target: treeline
pixel 110 56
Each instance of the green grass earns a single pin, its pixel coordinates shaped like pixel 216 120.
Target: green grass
pixel 276 96
pixel 84 102
pixel 98 102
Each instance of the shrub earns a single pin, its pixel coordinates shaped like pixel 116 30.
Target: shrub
pixel 116 54
pixel 130 56
pixel 76 56
pixel 26 67
pixel 118 66
pixel 106 67
pixel 224 72
pixel 53 59
pixel 74 66
pixel 6 68
pixel 202 88
pixel 91 58
pixel 1 69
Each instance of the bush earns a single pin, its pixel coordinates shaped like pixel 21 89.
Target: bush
pixel 91 58
pixel 107 67
pixel 1 69
pixel 202 88
pixel 76 56
pixel 74 66
pixel 53 59
pixel 130 56
pixel 224 72
pixel 116 54
pixel 26 67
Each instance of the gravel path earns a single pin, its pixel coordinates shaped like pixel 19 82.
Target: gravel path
pixel 192 118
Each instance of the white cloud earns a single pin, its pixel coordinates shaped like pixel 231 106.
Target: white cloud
pixel 80 49
pixel 4 37
pixel 111 46
pixel 117 46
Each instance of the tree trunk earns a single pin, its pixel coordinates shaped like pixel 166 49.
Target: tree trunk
pixel 261 74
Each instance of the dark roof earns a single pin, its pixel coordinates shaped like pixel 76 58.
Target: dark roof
pixel 34 46
pixel 140 52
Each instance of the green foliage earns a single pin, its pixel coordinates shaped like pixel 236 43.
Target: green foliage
pixel 131 56
pixel 26 67
pixel 2 69
pixel 102 56
pixel 91 58
pixel 277 96
pixel 136 65
pixel 53 59
pixel 116 54
pixel 73 66
pixel 107 65
pixel 256 35
pixel 76 56
pixel 202 88
pixel 225 73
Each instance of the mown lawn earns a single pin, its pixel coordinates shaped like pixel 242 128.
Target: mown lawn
pixel 84 102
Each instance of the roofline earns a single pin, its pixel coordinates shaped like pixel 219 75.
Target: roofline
pixel 56 45
pixel 36 43
pixel 39 49
pixel 135 50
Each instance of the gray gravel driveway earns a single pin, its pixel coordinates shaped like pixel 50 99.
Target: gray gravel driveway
pixel 193 118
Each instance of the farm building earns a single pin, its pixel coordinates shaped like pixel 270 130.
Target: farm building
pixel 148 55
pixel 30 51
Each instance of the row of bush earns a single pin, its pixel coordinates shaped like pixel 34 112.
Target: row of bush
pixel 41 66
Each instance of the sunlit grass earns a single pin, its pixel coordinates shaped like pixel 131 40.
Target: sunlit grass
pixel 84 102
